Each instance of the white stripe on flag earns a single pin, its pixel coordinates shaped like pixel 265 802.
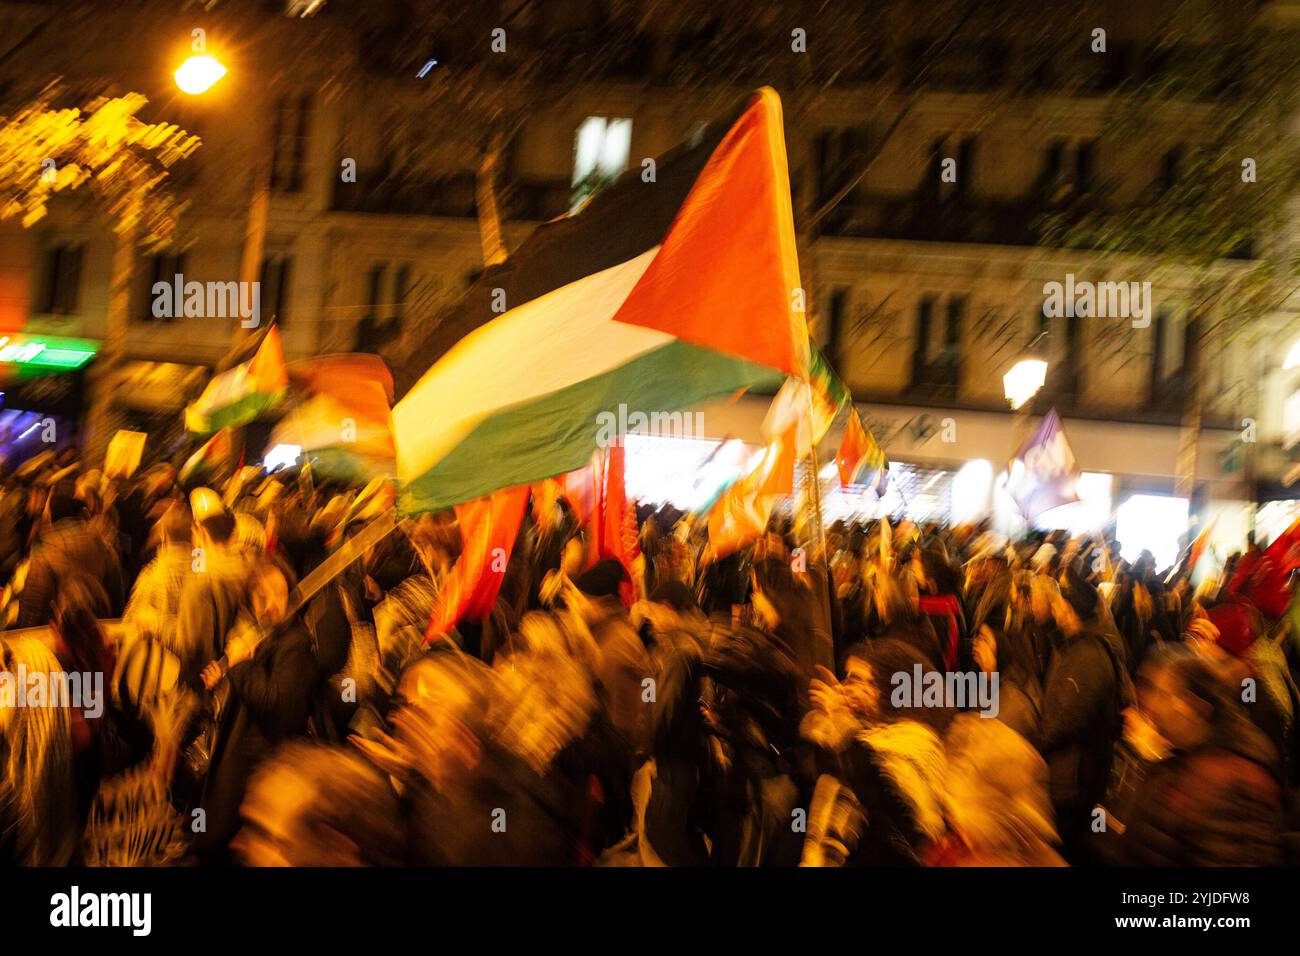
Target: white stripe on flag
pixel 556 340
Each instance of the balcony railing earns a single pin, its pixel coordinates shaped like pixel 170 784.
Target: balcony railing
pixel 451 196
pixel 374 192
pixel 933 220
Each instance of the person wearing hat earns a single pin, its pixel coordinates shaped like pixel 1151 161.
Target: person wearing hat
pixel 1084 693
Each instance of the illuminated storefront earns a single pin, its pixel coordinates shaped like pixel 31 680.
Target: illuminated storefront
pixel 42 389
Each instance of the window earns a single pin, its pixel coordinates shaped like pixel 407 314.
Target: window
pixel 936 361
pixel 1171 166
pixel 289 142
pixel 375 289
pixel 1084 163
pixel 1173 340
pixel 962 152
pixel 956 319
pixel 161 268
pixel 275 278
pixel 1071 379
pixel 60 281
pixel 387 290
pixel 921 356
pixel 1054 161
pixel 840 154
pixel 965 166
pixel 401 288
pixel 1067 167
pixel 835 327
pixel 601 151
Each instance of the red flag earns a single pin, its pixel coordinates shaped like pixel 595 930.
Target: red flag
pixel 618 538
pixel 860 457
pixel 488 528
pixel 1264 582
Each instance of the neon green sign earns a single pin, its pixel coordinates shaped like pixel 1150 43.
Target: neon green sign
pixel 46 351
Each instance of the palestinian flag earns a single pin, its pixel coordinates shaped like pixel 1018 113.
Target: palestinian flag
pixel 810 405
pixel 656 295
pixel 216 456
pixel 860 459
pixel 343 419
pixel 242 393
pixel 741 514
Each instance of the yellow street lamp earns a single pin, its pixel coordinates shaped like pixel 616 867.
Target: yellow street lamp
pixel 198 74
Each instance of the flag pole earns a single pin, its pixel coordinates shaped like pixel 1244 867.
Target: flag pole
pixel 823 641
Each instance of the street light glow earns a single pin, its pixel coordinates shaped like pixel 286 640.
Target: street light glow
pixel 1024 380
pixel 198 74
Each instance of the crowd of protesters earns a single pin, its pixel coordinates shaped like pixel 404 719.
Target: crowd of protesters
pixel 744 711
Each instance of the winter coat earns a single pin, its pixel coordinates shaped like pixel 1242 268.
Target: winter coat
pixel 269 702
pixel 1217 805
pixel 1083 698
pixel 71 548
pixel 208 603
pixel 895 773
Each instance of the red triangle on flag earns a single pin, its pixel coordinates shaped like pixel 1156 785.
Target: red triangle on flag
pixel 727 273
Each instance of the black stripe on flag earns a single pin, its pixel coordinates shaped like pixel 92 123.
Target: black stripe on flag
pixel 620 223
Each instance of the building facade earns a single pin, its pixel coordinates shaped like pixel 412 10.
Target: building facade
pixel 927 174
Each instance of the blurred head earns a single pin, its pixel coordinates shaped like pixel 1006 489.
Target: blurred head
pixel 64 503
pixel 214 531
pixel 175 524
pixel 574 552
pixel 319 806
pixel 985 650
pixel 1184 696
pixel 268 593
pixel 439 713
pixel 859 688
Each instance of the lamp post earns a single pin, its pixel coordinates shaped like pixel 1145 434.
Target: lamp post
pixel 196 76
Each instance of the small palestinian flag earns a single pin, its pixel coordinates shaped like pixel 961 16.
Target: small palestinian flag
pixel 217 455
pixel 661 292
pixel 860 459
pixel 741 513
pixel 242 393
pixel 826 393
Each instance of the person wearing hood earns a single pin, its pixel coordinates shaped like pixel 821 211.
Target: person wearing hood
pixel 1084 693
pixel 1206 790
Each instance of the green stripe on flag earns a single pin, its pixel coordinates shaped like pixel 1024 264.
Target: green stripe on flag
pixel 556 433
pixel 239 412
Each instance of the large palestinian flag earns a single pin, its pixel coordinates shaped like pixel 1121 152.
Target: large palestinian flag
pixel 671 286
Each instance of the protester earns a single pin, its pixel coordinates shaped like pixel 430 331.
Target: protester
pixel 913 695
pixel 1209 792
